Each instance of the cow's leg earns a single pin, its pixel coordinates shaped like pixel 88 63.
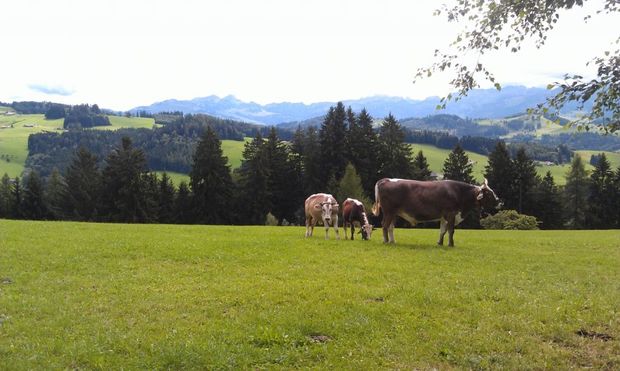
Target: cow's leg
pixel 335 221
pixel 308 221
pixel 344 226
pixel 451 230
pixel 388 227
pixel 312 224
pixel 352 231
pixel 443 224
pixel 326 225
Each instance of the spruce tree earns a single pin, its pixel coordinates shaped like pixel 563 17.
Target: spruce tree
pixel 33 205
pixel 394 153
pixel 6 197
pixel 350 186
pixel 420 169
pixel 254 193
pixel 333 143
pixel 125 192
pixel 17 198
pixel 210 181
pixel 166 199
pixel 500 174
pixel 526 179
pixel 548 201
pixel 458 167
pixel 183 211
pixel 576 194
pixel 313 171
pixel 363 145
pixel 83 186
pixel 601 207
pixel 55 195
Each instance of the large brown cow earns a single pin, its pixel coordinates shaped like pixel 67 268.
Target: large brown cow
pixel 321 207
pixel 353 211
pixel 417 201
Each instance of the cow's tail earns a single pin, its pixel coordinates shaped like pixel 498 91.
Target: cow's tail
pixel 376 208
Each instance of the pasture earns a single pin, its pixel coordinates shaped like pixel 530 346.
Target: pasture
pixel 112 296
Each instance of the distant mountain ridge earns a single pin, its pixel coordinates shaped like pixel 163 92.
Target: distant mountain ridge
pixel 480 103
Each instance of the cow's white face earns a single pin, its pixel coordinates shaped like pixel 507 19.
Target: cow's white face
pixel 366 231
pixel 326 210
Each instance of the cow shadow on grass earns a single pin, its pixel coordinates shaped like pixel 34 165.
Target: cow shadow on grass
pixel 418 246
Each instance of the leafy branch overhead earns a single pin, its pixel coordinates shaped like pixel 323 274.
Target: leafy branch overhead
pixel 495 25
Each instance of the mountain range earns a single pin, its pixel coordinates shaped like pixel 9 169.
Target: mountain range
pixel 480 103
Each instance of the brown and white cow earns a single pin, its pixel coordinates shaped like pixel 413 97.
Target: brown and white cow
pixel 417 201
pixel 353 211
pixel 324 208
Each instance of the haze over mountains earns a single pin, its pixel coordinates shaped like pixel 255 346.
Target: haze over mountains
pixel 481 103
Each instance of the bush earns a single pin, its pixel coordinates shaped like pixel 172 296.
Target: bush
pixel 509 219
pixel 270 219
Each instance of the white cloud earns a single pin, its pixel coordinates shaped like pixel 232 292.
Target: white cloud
pixel 121 54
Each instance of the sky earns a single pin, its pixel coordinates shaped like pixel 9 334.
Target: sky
pixel 126 53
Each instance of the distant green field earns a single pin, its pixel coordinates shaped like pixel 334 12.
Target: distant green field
pixel 112 296
pixel 129 122
pixel 233 149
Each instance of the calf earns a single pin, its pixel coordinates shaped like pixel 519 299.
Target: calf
pixel 353 211
pixel 417 201
pixel 321 207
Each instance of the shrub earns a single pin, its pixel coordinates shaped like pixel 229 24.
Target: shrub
pixel 509 219
pixel 270 219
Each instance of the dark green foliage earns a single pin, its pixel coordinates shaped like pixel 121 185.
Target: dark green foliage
pixel 55 195
pixel 6 197
pixel 309 152
pixel 254 189
pixel 458 167
pixel 125 196
pixel 333 143
pixel 525 181
pixel 183 211
pixel 576 195
pixel 394 154
pixel 602 196
pixel 85 116
pixel 33 205
pixel 548 200
pixel 166 199
pixel 500 174
pixel 420 168
pixel 350 186
pixel 17 199
pixel 55 111
pixel 509 219
pixel 363 145
pixel 83 186
pixel 210 181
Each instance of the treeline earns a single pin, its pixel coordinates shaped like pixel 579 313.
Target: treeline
pixel 345 157
pixel 168 148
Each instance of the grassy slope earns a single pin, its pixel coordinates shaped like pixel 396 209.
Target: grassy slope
pixel 152 296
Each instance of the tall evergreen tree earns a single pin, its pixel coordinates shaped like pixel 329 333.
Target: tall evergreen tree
pixel 363 145
pixel 526 179
pixel 601 207
pixel 351 186
pixel 458 167
pixel 150 194
pixel 333 143
pixel 6 196
pixel 183 210
pixel 615 199
pixel 576 194
pixel 420 169
pixel 311 161
pixel 394 153
pixel 254 190
pixel 55 195
pixel 548 200
pixel 500 174
pixel 83 186
pixel 17 199
pixel 125 196
pixel 33 205
pixel 210 181
pixel 166 199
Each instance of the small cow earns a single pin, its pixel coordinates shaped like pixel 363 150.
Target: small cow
pixel 417 201
pixel 321 207
pixel 353 211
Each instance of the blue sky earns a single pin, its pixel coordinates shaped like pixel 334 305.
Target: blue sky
pixel 121 54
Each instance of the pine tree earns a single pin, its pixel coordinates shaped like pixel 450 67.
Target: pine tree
pixel 526 179
pixel 33 205
pixel 311 161
pixel 150 197
pixel 600 209
pixel 499 172
pixel 363 145
pixel 124 188
pixel 210 181
pixel 351 186
pixel 183 210
pixel 576 194
pixel 166 199
pixel 420 169
pixel 6 197
pixel 458 167
pixel 254 192
pixel 394 153
pixel 17 199
pixel 55 195
pixel 548 200
pixel 83 186
pixel 333 143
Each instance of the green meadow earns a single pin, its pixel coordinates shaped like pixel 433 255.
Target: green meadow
pixel 113 296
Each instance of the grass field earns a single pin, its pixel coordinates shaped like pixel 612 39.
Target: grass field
pixel 111 296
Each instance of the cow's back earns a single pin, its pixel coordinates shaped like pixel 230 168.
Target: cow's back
pixel 315 199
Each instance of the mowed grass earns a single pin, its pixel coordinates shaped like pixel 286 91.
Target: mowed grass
pixel 111 296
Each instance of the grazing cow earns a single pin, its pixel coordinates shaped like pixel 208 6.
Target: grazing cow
pixel 353 212
pixel 321 207
pixel 418 201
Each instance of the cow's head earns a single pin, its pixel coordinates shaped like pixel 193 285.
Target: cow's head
pixel 326 209
pixel 486 197
pixel 366 231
